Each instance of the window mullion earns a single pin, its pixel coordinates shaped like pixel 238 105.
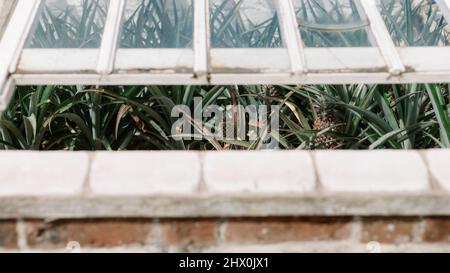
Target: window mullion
pixel 201 39
pixel 110 38
pixel 383 38
pixel 291 36
pixel 15 36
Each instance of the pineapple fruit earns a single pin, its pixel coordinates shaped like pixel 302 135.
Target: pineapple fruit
pixel 325 116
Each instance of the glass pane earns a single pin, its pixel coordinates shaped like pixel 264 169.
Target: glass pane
pixel 70 24
pixel 415 22
pixel 332 23
pixel 244 24
pixel 158 24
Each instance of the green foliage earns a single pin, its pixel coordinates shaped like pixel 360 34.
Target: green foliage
pixel 415 23
pixel 331 23
pixel 387 116
pixel 159 24
pixel 139 117
pixel 68 27
pixel 131 118
pixel 232 28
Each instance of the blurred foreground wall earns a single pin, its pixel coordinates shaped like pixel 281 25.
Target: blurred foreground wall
pixel 279 201
pixel 6 6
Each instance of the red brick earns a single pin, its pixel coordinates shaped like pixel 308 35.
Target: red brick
pixel 89 233
pixel 388 230
pixel 8 235
pixel 278 230
pixel 437 230
pixel 189 232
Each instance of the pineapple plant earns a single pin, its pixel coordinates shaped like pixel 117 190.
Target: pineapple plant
pixel 392 100
pixel 269 90
pixel 327 125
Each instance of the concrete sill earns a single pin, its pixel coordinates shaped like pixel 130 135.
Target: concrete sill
pixel 226 184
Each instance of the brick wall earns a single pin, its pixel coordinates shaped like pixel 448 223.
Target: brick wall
pixel 278 201
pixel 286 234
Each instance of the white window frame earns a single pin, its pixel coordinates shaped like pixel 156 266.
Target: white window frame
pixel 294 64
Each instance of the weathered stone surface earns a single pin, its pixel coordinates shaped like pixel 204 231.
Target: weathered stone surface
pixel 439 164
pixel 232 206
pixel 166 184
pixel 259 172
pixel 372 171
pixel 42 173
pixel 145 173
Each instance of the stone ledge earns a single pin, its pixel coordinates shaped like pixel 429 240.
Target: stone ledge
pixel 439 165
pixel 243 205
pixel 141 173
pixel 42 174
pixel 259 172
pixel 208 184
pixel 376 171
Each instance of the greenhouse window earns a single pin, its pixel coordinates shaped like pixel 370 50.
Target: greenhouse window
pixel 201 42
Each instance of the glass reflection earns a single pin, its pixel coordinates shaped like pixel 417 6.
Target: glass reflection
pixel 70 24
